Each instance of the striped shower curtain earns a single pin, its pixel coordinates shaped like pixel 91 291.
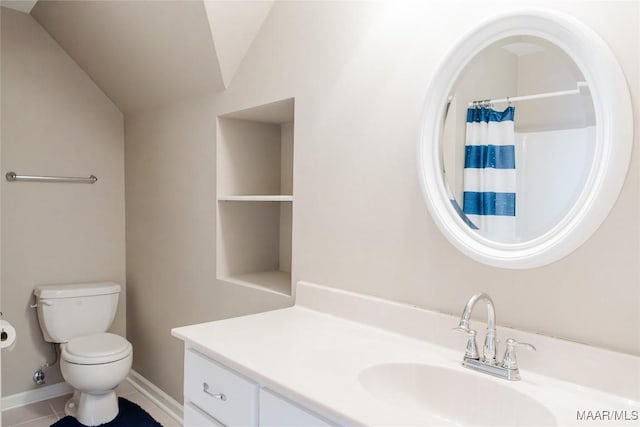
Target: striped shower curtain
pixel 490 173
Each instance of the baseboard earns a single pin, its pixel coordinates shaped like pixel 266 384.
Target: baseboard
pixel 156 395
pixel 36 395
pixel 140 383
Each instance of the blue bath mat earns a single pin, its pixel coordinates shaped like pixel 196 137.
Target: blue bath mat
pixel 129 415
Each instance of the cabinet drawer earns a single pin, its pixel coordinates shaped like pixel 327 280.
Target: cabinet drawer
pixel 218 391
pixel 194 417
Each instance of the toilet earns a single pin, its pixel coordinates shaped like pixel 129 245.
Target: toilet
pixel 93 361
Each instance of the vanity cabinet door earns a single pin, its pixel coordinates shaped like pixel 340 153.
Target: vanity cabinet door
pixel 194 417
pixel 275 411
pixel 218 391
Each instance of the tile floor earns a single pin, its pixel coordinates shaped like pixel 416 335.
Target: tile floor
pixel 47 412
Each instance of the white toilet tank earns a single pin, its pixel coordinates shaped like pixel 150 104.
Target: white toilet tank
pixel 69 311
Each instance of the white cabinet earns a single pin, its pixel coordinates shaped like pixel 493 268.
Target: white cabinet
pixel 195 417
pixel 215 395
pixel 218 391
pixel 276 411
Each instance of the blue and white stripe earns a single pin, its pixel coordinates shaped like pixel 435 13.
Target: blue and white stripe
pixel 490 173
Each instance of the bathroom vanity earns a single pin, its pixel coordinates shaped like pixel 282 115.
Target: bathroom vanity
pixel 217 395
pixel 338 358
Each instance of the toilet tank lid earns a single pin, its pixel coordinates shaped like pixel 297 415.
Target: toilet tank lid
pixel 74 290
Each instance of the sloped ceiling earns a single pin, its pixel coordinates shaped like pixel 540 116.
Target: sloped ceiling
pixel 234 26
pixel 19 5
pixel 145 54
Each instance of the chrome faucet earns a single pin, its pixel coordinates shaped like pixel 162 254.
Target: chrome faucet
pixel 489 353
pixel 508 369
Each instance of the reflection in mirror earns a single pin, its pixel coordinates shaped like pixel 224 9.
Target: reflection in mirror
pixel 515 166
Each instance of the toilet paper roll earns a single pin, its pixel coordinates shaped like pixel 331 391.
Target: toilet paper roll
pixel 7 335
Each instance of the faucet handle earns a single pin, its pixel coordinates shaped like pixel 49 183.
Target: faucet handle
pixel 509 360
pixel 472 347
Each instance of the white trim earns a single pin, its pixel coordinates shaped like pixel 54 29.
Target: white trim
pixel 36 395
pixel 141 384
pixel 256 198
pixel 165 402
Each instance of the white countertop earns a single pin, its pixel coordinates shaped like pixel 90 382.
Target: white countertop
pixel 315 358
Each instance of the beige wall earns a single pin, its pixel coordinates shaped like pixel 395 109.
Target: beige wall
pixel 1 212
pixel 55 121
pixel 359 221
pixel 171 247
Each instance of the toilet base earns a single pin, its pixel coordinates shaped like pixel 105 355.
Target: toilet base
pixel 71 407
pixel 92 409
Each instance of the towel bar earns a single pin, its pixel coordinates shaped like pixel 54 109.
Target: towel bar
pixel 12 176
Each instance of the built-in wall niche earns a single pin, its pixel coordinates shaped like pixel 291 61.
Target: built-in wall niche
pixel 255 196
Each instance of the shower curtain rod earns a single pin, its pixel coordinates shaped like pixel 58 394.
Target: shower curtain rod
pixel 529 97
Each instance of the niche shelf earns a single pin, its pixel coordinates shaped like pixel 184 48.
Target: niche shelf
pixel 255 196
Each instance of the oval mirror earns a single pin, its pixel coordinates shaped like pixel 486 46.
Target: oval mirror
pixel 526 139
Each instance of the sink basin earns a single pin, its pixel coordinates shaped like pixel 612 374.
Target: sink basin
pixel 466 398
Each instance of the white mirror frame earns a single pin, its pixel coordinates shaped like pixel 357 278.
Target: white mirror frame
pixel 614 138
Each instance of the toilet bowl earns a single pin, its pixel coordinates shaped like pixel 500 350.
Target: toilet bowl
pixel 94 365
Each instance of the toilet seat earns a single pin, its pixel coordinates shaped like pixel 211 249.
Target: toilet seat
pixel 96 349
